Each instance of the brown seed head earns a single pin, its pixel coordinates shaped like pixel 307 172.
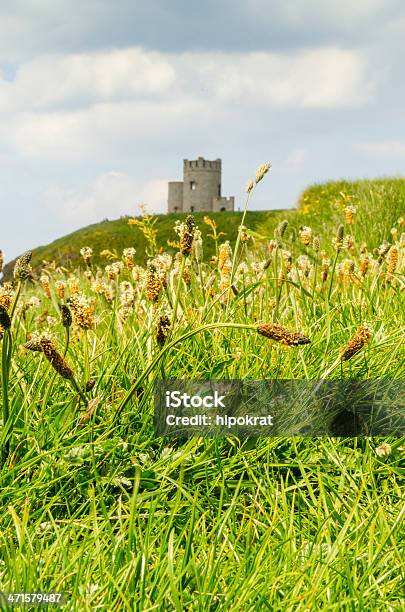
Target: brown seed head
pixel 338 241
pixel 162 329
pixel 356 343
pixel 66 316
pixel 5 321
pixel 279 333
pixel 153 284
pixel 22 268
pixel 261 171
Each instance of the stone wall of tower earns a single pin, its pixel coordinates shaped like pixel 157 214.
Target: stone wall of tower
pixel 201 184
pixel 221 204
pixel 175 199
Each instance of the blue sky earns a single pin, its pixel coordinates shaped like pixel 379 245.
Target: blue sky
pixel 100 101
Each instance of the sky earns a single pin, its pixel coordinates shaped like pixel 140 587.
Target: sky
pixel 100 101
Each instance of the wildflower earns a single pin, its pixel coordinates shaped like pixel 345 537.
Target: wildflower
pixel 114 270
pixel 225 258
pixel 45 344
pixel 349 212
pixel 86 253
pixel 392 260
pixel 60 289
pixel 66 316
pixel 357 342
pixel 127 297
pixel 279 333
pixel 287 258
pixel 6 295
pixel 401 221
pixel 383 450
pixel 249 186
pixel 347 270
pixel 348 242
pixel 186 231
pixel 153 284
pixel 128 255
pixel 316 243
pixel 44 280
pixel 73 285
pixel 280 229
pixel 198 245
pixel 163 262
pixel 394 233
pixel 82 311
pixel 22 268
pixel 272 245
pixel 305 235
pixel 303 264
pixel 261 171
pixel 364 264
pixel 338 240
pixel 138 274
pixel 383 249
pixel 162 328
pixel 325 267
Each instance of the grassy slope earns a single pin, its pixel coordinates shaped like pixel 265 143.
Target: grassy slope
pixel 117 235
pixel 125 521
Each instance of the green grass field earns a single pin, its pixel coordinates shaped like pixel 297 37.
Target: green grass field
pixel 97 507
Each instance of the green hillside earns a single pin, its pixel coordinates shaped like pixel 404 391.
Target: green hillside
pixel 118 234
pixel 378 204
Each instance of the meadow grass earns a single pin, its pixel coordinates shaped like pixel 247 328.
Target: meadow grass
pixel 94 505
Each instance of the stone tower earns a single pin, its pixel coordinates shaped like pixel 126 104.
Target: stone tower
pixel 200 189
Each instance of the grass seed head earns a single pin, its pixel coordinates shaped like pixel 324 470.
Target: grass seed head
pixel 5 321
pixel 185 231
pixel 153 284
pixel 261 172
pixel 87 254
pixel 349 213
pixel 6 295
pixel 66 316
pixel 249 186
pixel 305 235
pixel 338 240
pixel 162 328
pixel 277 332
pixel 357 342
pixel 22 268
pixel 128 256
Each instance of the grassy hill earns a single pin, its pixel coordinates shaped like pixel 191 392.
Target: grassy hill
pixel 378 204
pixel 118 234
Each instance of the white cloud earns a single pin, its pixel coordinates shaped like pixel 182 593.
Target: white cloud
pixel 383 149
pixel 109 196
pixel 76 106
pixel 318 78
pixel 60 81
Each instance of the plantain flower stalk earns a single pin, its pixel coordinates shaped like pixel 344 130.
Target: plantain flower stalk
pixel 357 342
pixel 22 268
pixel 277 332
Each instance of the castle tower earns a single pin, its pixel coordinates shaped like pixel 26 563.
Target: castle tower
pixel 200 190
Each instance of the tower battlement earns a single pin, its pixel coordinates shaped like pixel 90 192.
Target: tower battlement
pixel 200 190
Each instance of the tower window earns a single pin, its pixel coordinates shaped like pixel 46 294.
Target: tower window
pixel 193 185
pixel 219 190
pixel 191 208
pixel 223 208
pixel 176 208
